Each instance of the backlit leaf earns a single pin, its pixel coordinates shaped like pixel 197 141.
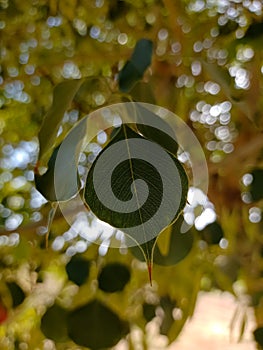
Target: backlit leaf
pixel 61 181
pixel 178 245
pixel 62 97
pixel 129 184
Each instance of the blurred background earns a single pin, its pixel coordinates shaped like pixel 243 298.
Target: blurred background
pixel 57 289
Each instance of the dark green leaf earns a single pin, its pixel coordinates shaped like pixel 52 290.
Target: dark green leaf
pixel 96 326
pixel 254 31
pixel 212 233
pixel 153 128
pixel 16 292
pixel 113 277
pixel 168 306
pixel 78 270
pixel 228 28
pixel 256 188
pixel 128 76
pixel 117 9
pixel 148 311
pixel 134 69
pixel 54 323
pixel 116 187
pixel 258 335
pixel 62 98
pixel 61 181
pixel 142 55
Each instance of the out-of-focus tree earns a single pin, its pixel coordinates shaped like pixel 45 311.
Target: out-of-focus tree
pixel 57 290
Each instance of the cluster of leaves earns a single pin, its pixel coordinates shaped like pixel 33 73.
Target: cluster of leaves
pixel 85 324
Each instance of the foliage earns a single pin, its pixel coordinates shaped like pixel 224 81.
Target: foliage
pixel 62 60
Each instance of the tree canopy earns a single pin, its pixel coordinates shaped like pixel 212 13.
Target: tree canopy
pixel 67 68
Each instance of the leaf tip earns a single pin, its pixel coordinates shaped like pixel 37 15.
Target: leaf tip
pixel 36 168
pixel 150 266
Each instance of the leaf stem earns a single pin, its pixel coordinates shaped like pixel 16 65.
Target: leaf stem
pixel 51 216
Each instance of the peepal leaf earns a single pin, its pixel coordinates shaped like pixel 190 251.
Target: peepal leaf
pixel 177 245
pixel 258 335
pixel 96 326
pixel 62 97
pixel 154 128
pixel 17 293
pixel 78 269
pixel 53 323
pixel 137 186
pixel 61 182
pixel 134 69
pixel 113 277
pixel 256 188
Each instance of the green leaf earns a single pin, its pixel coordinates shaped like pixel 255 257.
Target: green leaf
pixel 134 69
pixel 256 188
pixel 113 277
pixel 96 326
pixel 254 31
pixel 228 28
pixel 242 327
pixel 212 233
pixel 142 55
pixel 62 98
pixel 178 245
pixel 137 186
pixel 258 335
pixel 148 311
pixel 168 306
pixel 61 181
pixel 78 269
pixel 17 294
pixel 154 128
pixel 54 323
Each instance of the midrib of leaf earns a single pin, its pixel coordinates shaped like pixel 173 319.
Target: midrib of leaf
pixel 148 255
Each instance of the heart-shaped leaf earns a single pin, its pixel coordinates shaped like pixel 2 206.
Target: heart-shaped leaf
pixel 137 186
pixel 96 326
